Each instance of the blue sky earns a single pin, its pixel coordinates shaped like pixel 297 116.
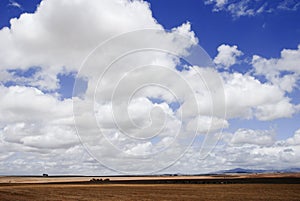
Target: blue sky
pixel 272 31
pixel 254 45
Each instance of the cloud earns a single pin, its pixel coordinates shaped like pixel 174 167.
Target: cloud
pixel 289 5
pixel 227 55
pixel 295 140
pixel 57 34
pixel 57 39
pixel 238 8
pixel 207 124
pixel 247 97
pixel 282 72
pixel 219 4
pixel 28 104
pixel 36 120
pixel 37 131
pixel 254 137
pixel 249 8
pixel 15 4
pixel 277 110
pixel 244 148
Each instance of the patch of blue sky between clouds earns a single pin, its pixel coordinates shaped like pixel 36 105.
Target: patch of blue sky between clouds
pixel 295 94
pixel 284 127
pixel 66 83
pixel 182 65
pixel 175 105
pixel 25 73
pixel 21 76
pixel 80 87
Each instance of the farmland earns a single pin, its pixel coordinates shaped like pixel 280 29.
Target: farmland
pixel 80 188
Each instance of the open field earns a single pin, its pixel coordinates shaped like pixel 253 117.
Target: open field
pixel 151 192
pixel 216 187
pixel 57 179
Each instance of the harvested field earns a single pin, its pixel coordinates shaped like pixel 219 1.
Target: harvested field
pixel 211 192
pixel 215 187
pixel 67 179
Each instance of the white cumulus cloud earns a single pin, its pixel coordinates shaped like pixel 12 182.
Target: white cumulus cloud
pixel 227 55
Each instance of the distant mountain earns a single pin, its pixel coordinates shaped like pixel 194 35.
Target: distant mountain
pixel 240 171
pixel 249 171
pixel 291 170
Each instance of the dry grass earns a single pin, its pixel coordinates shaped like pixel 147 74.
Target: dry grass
pixel 150 192
pixel 28 179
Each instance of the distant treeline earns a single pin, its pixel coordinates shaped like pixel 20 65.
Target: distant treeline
pixel 281 180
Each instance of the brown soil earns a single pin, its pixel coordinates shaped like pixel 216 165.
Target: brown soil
pixel 211 192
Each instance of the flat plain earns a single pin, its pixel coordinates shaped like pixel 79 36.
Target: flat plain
pixel 71 188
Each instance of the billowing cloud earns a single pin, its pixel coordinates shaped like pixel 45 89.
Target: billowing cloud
pixel 57 36
pixel 28 104
pixel 247 97
pixel 283 72
pixel 55 40
pixel 36 120
pixel 37 130
pixel 295 140
pixel 227 55
pixel 244 148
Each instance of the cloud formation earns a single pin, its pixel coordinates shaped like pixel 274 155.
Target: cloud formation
pixel 227 55
pixel 283 72
pixel 37 131
pixel 57 38
pixel 249 8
